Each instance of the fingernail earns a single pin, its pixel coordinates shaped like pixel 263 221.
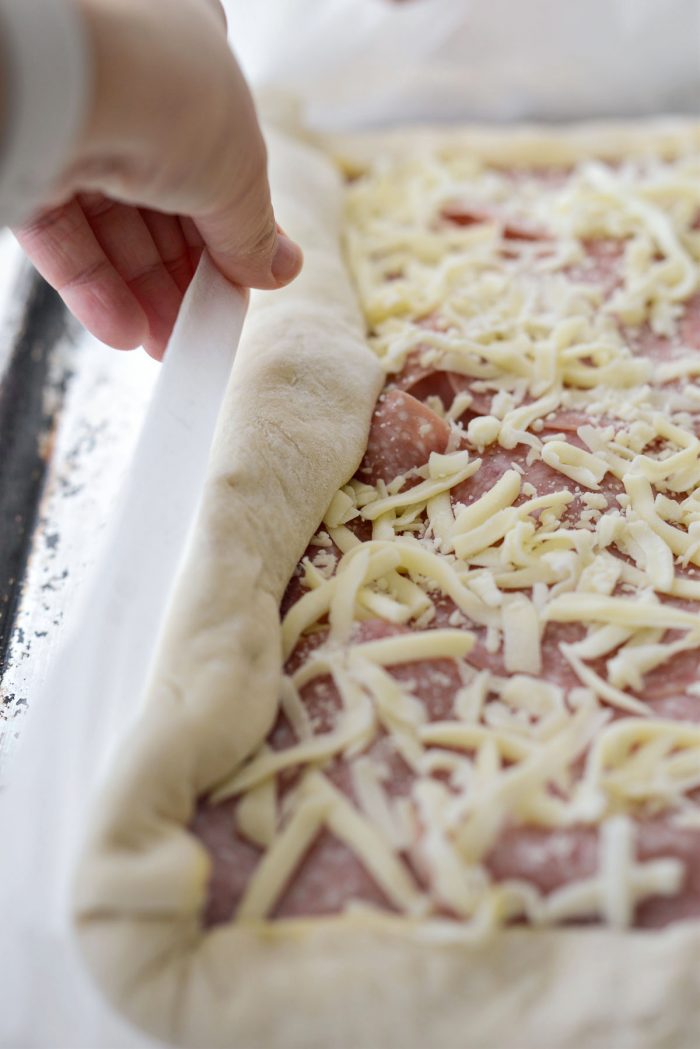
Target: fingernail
pixel 287 261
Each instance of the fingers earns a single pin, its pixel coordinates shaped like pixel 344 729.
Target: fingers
pixel 128 243
pixel 123 268
pixel 169 239
pixel 195 240
pixel 122 272
pixel 210 162
pixel 262 257
pixel 64 249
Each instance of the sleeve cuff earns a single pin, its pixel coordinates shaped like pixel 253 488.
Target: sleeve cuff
pixel 47 81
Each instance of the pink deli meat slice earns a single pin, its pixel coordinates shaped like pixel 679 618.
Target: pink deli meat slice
pixel 665 688
pixel 690 324
pixel 330 875
pixel 643 341
pixel 601 267
pixel 545 480
pixel 430 380
pixel 424 380
pixel 551 859
pixel 403 434
pixel 512 227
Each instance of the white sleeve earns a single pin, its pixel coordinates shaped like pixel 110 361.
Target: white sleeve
pixel 45 59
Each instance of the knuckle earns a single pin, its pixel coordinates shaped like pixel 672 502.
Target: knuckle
pixel 52 223
pixel 179 267
pixel 267 238
pixel 96 205
pixel 88 274
pixel 261 243
pixel 146 274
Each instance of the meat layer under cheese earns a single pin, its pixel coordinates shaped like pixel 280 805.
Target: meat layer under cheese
pixel 491 703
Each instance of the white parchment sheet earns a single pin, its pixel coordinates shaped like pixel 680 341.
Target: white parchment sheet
pixel 96 682
pixel 351 63
pixel 362 62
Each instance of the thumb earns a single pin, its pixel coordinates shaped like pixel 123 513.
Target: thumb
pixel 243 237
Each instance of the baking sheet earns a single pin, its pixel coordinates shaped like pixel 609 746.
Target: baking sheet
pixel 31 387
pixel 70 410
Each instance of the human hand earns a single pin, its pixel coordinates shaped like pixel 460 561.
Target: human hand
pixel 171 161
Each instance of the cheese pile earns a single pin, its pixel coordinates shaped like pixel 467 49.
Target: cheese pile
pixel 539 289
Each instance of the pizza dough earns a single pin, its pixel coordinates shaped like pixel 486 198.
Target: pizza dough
pixel 363 979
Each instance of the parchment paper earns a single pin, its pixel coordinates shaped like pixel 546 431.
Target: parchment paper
pixel 97 682
pixel 355 63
